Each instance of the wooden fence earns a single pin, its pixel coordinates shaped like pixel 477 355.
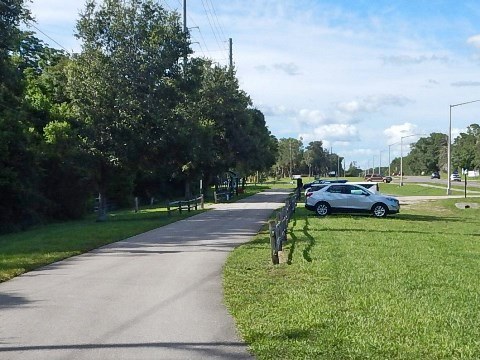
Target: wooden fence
pixel 279 227
pixel 186 204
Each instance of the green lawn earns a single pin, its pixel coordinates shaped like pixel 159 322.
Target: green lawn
pixel 356 287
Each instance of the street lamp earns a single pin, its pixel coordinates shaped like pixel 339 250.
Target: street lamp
pixel 389 161
pixel 401 155
pixel 380 164
pixel 449 153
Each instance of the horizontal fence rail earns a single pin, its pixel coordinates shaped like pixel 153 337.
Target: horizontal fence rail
pixel 186 204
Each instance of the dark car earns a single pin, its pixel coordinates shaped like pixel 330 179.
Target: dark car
pixel 322 181
pixel 435 175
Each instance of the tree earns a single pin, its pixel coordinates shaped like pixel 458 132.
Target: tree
pixel 317 157
pixel 20 202
pixel 290 155
pixel 427 154
pixel 124 86
pixel 465 149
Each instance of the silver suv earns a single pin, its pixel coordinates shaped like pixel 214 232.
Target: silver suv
pixel 350 198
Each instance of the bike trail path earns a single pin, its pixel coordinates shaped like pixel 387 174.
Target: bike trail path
pixel 157 295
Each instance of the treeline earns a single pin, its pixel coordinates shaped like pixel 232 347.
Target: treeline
pixel 426 155
pixel 132 114
pixel 429 154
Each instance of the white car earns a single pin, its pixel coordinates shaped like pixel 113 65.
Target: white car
pixel 455 177
pixel 350 198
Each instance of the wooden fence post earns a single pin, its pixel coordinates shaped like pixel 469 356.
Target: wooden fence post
pixel 273 242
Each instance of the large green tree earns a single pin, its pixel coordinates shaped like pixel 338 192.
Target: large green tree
pixel 290 156
pixel 316 158
pixel 20 202
pixel 465 149
pixel 124 86
pixel 426 155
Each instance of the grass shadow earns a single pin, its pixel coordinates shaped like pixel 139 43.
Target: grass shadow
pixel 311 242
pixel 293 242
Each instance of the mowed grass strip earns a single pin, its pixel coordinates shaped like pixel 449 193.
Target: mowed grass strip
pixel 356 287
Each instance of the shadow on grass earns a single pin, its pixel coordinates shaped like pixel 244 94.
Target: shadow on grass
pixel 396 217
pixel 308 248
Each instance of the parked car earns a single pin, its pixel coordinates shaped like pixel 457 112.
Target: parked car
pixel 350 198
pixel 435 175
pixel 455 176
pixel 378 178
pixel 369 185
pixel 315 187
pixel 323 181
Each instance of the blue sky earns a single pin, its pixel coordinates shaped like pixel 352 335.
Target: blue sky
pixel 357 75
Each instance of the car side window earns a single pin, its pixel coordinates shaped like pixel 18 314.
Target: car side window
pixel 354 190
pixel 336 189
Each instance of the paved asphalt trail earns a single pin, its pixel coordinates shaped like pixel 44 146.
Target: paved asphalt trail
pixel 157 295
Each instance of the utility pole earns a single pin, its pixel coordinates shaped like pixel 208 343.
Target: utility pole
pixel 230 55
pixel 185 32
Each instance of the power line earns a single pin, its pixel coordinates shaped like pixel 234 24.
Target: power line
pixel 48 36
pixel 208 14
pixel 219 27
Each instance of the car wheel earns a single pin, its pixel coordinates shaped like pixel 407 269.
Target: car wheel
pixel 379 210
pixel 323 208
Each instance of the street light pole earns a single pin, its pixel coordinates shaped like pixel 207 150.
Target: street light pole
pixel 380 164
pixel 401 161
pixel 449 145
pixel 389 161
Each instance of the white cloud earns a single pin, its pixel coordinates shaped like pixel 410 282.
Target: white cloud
pixel 372 103
pixel 414 60
pixel 474 40
pixel 408 131
pixel 465 83
pixel 311 118
pixel 337 132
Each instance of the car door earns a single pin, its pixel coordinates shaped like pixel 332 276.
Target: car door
pixel 336 196
pixel 358 198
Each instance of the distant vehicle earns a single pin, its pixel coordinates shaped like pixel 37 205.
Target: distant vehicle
pixel 435 175
pixel 350 198
pixel 455 176
pixel 378 178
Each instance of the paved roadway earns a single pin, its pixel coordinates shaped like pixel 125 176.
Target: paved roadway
pixel 157 295
pixel 440 182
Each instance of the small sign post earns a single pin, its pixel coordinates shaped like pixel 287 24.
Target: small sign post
pixel 465 172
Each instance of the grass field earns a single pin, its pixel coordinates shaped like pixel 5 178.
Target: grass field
pixel 356 287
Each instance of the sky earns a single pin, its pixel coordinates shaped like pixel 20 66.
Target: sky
pixel 362 76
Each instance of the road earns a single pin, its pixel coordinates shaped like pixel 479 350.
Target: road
pixel 157 295
pixel 440 182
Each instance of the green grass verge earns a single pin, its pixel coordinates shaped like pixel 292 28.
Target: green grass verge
pixel 356 287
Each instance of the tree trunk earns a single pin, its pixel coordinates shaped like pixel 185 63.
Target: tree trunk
pixel 188 192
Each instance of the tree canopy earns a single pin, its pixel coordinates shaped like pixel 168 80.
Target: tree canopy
pixel 133 113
